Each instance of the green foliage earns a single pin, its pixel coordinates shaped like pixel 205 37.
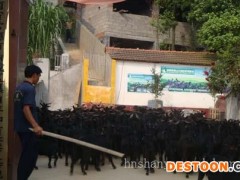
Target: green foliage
pixel 225 74
pixel 216 82
pixel 177 8
pixel 164 46
pixel 155 85
pixel 220 32
pixel 170 12
pixel 218 24
pixel 202 10
pixel 164 22
pixel 217 21
pixel 45 24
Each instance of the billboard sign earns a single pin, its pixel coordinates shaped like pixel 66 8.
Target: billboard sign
pixel 184 79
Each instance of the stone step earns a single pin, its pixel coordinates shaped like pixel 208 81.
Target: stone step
pixel 74 53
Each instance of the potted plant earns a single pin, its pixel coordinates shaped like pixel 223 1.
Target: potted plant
pixel 155 87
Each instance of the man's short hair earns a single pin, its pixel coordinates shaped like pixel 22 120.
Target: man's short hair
pixel 32 69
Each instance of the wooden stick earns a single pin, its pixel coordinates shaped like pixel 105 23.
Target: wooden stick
pixel 76 141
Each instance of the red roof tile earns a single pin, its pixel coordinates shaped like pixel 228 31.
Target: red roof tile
pixel 160 56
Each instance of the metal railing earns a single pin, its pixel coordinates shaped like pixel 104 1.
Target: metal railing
pixel 214 113
pixel 99 66
pixel 61 62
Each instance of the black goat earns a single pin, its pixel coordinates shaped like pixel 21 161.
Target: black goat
pixel 49 148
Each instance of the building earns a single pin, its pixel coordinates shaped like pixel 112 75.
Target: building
pixel 128 25
pixel 126 31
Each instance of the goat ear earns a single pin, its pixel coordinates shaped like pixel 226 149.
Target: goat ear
pixel 137 116
pixel 176 123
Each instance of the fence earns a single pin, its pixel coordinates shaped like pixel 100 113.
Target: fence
pixel 214 113
pixel 99 67
pixel 61 62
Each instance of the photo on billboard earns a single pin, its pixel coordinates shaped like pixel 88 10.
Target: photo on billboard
pixel 184 79
pixel 138 82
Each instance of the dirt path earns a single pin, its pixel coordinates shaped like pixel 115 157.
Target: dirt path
pixel 61 172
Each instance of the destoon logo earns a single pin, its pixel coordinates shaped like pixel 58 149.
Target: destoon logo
pixel 204 166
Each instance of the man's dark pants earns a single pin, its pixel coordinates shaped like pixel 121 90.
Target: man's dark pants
pixel 28 156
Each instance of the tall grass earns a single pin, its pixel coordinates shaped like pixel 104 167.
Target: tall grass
pixel 45 24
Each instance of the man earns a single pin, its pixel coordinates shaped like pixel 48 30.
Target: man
pixel 25 117
pixel 69 31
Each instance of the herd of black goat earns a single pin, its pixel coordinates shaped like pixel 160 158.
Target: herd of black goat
pixel 142 134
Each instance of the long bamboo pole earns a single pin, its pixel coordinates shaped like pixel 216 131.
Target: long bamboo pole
pixel 76 141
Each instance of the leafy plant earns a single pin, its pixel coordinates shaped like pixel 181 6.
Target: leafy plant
pixel 225 74
pixel 216 82
pixel 45 24
pixel 164 22
pixel 220 32
pixel 167 13
pixel 164 45
pixel 155 85
pixel 218 27
pixel 202 10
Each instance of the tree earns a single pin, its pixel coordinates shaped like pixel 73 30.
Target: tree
pixel 225 74
pixel 218 24
pixel 45 24
pixel 202 10
pixel 169 12
pixel 155 84
pixel 220 32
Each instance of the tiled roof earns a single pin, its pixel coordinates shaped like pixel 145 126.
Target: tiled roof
pixel 160 56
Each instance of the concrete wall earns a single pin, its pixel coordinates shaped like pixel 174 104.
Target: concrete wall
pixel 101 20
pixel 94 50
pixel 169 98
pixel 95 17
pixel 97 94
pixel 42 88
pixel 64 88
pixel 233 107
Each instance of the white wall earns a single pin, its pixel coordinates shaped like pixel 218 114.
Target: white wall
pixel 42 88
pixel 60 90
pixel 170 99
pixel 232 107
pixel 64 88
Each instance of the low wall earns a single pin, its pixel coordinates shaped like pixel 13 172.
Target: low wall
pixel 98 94
pixel 125 95
pixel 94 50
pixel 65 88
pixel 233 107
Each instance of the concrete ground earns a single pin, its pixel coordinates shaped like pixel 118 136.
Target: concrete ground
pixel 61 172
